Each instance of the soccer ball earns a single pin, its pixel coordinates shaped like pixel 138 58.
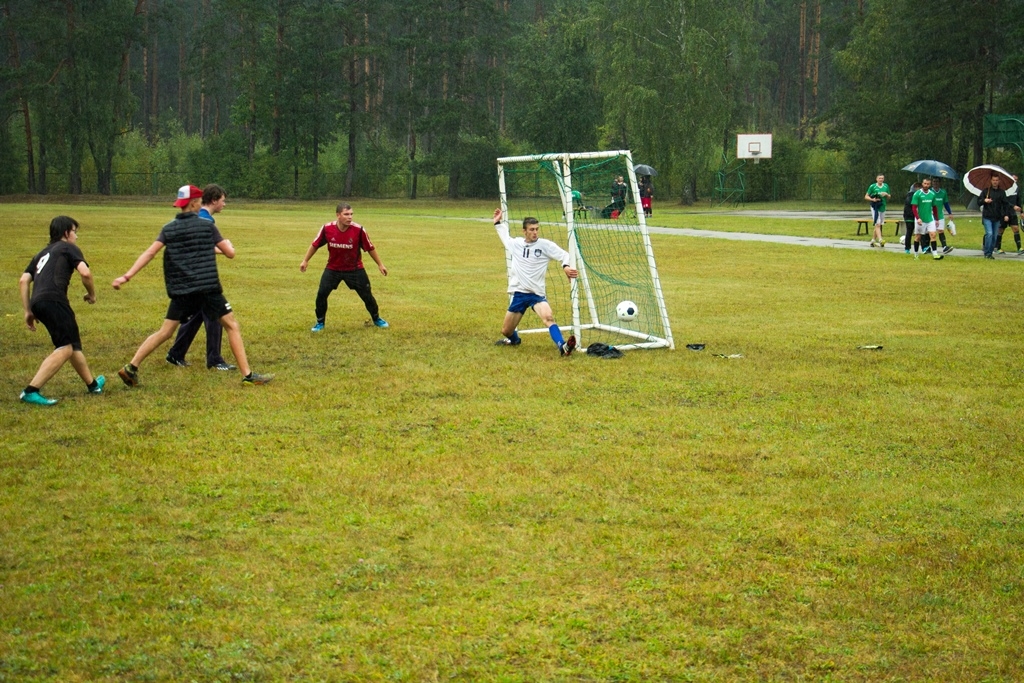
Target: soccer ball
pixel 626 310
pixel 903 240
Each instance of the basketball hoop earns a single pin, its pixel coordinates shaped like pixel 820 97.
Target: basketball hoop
pixel 754 146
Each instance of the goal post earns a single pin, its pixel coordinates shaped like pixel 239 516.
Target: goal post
pixel 605 233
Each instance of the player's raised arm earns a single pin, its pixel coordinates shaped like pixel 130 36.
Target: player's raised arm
pixel 497 216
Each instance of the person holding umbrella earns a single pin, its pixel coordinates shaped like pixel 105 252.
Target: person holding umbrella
pixel 1013 202
pixel 646 194
pixel 994 212
pixel 878 195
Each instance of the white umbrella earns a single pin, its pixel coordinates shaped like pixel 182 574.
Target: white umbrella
pixel 979 179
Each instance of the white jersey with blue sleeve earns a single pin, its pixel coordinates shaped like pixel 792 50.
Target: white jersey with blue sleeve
pixel 528 262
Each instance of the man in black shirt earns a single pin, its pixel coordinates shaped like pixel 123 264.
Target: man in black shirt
pixel 192 282
pixel 48 276
pixel 994 212
pixel 1013 206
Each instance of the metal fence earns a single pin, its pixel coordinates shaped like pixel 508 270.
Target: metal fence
pixel 306 185
pixel 828 187
pixel 755 186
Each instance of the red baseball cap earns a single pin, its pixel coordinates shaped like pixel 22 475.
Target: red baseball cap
pixel 187 193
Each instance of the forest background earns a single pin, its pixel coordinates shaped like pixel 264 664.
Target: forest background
pixel 407 98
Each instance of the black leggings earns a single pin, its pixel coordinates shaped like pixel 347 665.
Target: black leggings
pixel 355 279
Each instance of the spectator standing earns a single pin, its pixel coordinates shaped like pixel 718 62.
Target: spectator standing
pixel 994 212
pixel 908 216
pixel 1013 202
pixel 646 195
pixel 878 196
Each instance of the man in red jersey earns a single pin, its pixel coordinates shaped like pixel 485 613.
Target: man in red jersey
pixel 344 239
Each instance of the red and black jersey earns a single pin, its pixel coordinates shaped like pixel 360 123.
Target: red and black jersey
pixel 343 245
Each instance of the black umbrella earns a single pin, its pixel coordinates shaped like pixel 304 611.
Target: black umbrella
pixel 932 168
pixel 644 169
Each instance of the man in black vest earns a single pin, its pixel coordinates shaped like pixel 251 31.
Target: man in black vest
pixel 214 199
pixel 192 282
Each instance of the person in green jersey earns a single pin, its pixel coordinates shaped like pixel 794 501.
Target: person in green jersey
pixel 941 203
pixel 923 204
pixel 878 196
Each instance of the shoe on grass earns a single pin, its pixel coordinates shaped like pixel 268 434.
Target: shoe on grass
pixel 505 341
pixel 101 382
pixel 319 327
pixel 256 378
pixel 129 377
pixel 180 362
pixel 223 367
pixel 37 399
pixel 568 347
pixel 381 323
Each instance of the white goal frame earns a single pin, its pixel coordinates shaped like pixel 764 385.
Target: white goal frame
pixel 563 165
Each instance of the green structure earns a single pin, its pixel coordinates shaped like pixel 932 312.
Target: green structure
pixel 1004 130
pixel 730 183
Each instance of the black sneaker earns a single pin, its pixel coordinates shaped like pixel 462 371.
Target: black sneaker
pixel 129 376
pixel 505 341
pixel 256 378
pixel 568 347
pixel 181 363
pixel 224 367
pixel 946 250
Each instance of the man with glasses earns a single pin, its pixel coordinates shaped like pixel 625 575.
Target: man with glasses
pixel 44 296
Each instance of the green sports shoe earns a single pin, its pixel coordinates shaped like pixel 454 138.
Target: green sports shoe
pixel 37 399
pixel 256 378
pixel 101 382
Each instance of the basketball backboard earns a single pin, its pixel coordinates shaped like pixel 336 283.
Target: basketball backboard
pixel 754 146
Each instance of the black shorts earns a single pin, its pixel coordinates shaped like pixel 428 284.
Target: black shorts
pixel 355 279
pixel 59 320
pixel 213 304
pixel 1013 218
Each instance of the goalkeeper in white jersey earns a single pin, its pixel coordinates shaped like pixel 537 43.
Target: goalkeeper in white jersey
pixel 529 256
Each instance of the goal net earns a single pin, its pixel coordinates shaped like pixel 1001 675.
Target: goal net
pixel 602 226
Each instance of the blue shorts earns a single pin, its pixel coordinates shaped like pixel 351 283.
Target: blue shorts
pixel 521 301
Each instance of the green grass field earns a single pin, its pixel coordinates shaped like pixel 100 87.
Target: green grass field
pixel 415 504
